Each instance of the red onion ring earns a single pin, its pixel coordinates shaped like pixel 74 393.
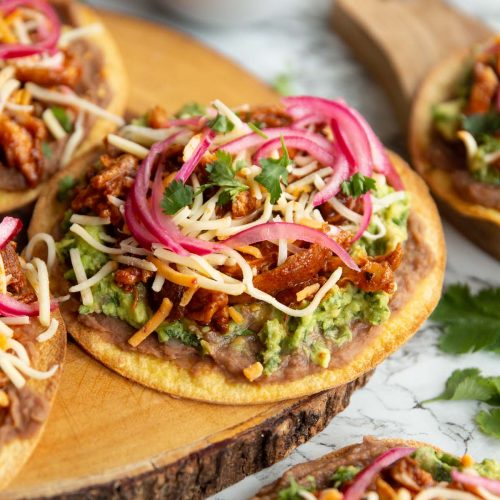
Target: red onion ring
pixel 252 140
pixel 365 477
pixel 11 307
pixel 367 215
pixel 492 485
pixel 188 167
pixel 50 35
pixel 271 231
pixel 296 142
pixel 9 229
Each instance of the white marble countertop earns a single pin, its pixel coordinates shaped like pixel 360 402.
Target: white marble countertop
pixel 301 42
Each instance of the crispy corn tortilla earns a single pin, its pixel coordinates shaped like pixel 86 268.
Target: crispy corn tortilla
pixel 212 385
pixel 15 453
pixel 482 224
pixel 323 466
pixel 116 80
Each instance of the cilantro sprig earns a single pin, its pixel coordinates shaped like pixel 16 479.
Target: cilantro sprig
pixel 469 384
pixel 63 117
pixel 274 172
pixel 222 175
pixel 469 322
pixel 357 185
pixel 177 195
pixel 191 109
pixel 221 123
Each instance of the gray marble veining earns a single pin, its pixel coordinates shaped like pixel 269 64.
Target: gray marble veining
pixel 301 42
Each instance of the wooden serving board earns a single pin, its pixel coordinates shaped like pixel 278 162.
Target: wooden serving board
pixel 108 437
pixel 399 41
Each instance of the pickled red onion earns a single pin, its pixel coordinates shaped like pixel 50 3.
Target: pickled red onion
pixel 365 477
pixel 271 231
pixel 9 228
pixel 50 35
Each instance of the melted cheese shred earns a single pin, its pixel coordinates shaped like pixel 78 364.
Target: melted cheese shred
pixel 88 238
pixel 74 101
pixel 50 332
pixel 70 35
pixel 108 268
pixel 43 291
pixel 81 276
pixel 48 239
pixel 444 494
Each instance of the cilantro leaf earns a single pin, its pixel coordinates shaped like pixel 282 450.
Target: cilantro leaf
pixel 357 185
pixel 274 172
pixel 489 422
pixel 221 124
pixel 469 384
pixel 221 174
pixel 46 150
pixel 469 322
pixel 64 187
pixel 191 109
pixel 295 490
pixel 176 196
pixel 482 123
pixel 62 116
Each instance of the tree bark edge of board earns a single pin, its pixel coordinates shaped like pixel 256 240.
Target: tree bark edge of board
pixel 222 464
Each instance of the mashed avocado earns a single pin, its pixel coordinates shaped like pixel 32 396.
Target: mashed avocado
pixel 109 298
pixel 332 320
pixel 479 167
pixel 440 464
pixel 394 218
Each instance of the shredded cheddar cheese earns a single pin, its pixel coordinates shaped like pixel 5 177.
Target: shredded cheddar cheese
pixel 253 371
pixel 250 250
pixel 307 291
pixel 236 316
pixel 187 296
pixel 171 275
pixel 4 399
pixel 157 319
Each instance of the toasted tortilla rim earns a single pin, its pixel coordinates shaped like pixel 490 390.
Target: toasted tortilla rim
pixel 435 89
pixel 117 82
pixel 15 453
pixel 212 385
pixel 269 491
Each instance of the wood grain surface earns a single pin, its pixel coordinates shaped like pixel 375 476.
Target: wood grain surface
pixel 399 41
pixel 108 437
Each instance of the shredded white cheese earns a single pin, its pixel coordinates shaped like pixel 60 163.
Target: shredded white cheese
pixel 81 276
pixel 53 124
pixel 50 332
pixel 51 247
pixel 128 146
pixel 108 268
pixel 43 291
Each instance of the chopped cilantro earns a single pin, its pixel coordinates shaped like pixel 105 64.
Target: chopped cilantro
pixel 469 322
pixel 221 124
pixel 177 330
pixel 343 474
pixel 283 84
pixel 357 185
pixel 191 109
pixel 222 175
pixel 62 117
pixel 294 490
pixel 46 150
pixel 489 422
pixel 482 123
pixel 274 172
pixel 257 130
pixel 176 196
pixel 65 186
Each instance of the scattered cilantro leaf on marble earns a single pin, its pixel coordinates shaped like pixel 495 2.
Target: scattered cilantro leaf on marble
pixel 489 422
pixel 469 322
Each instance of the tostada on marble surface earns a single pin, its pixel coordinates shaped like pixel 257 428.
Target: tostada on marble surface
pixel 243 256
pixel 63 87
pixel 32 347
pixel 453 140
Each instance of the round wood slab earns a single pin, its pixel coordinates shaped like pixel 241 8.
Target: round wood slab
pixel 108 437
